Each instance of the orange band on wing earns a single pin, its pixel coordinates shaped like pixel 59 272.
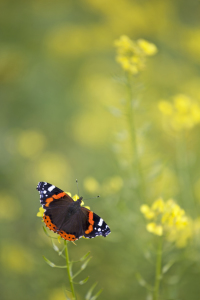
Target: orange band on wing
pixel 66 236
pixel 49 200
pixel 49 224
pixel 61 195
pixel 91 222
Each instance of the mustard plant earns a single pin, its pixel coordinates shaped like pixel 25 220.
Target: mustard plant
pixel 131 55
pixel 169 222
pixel 180 116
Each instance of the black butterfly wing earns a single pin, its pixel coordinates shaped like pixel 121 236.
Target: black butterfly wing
pixel 48 192
pixel 74 227
pixel 84 223
pixel 56 204
pixel 95 225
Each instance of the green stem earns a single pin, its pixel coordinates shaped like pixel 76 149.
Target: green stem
pixel 134 145
pixel 186 189
pixel 69 271
pixel 158 268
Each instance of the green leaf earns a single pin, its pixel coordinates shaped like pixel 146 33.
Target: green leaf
pixel 60 253
pixel 51 264
pixel 84 280
pixel 167 266
pixel 142 282
pixel 55 247
pixel 85 263
pixel 82 258
pixel 77 273
pixel 97 294
pixel 89 293
pixel 45 231
pixel 140 279
pixel 85 256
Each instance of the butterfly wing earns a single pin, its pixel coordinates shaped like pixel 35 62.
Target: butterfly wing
pixel 56 204
pixel 84 223
pixel 66 217
pixel 95 225
pixel 49 192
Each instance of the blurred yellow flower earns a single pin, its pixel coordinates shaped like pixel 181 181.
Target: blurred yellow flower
pixel 183 113
pixel 58 294
pixel 91 185
pixel 53 167
pixel 131 55
pixel 148 48
pixel 16 258
pixel 10 208
pixel 169 219
pixel 112 185
pixel 30 143
pixel 158 205
pixel 147 212
pixel 154 228
pixel 165 107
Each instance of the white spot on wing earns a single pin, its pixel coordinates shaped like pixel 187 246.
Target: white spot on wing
pixel 100 222
pixel 99 229
pixel 51 188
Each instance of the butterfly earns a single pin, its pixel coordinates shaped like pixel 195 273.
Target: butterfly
pixel 67 217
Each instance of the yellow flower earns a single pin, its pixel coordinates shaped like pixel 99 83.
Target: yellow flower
pixel 76 197
pixel 165 107
pixel 168 219
pixel 183 113
pixel 40 212
pixel 147 212
pixel 131 55
pixel 158 205
pixel 148 48
pixel 91 185
pixel 182 103
pixel 30 143
pixel 112 185
pixel 154 228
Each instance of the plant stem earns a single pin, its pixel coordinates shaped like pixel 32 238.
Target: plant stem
pixel 158 268
pixel 69 271
pixel 132 128
pixel 186 190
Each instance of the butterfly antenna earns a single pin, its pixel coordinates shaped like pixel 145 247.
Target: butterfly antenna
pixel 92 198
pixel 77 186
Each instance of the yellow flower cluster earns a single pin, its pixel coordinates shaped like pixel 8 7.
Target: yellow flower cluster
pixel 183 113
pixel 131 55
pixel 167 218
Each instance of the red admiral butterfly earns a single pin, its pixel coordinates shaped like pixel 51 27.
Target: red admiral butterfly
pixel 66 217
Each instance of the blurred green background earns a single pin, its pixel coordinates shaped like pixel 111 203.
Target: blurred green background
pixel 61 119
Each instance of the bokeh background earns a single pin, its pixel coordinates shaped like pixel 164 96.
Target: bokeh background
pixel 61 118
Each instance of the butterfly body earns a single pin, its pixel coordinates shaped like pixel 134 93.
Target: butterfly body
pixel 67 217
